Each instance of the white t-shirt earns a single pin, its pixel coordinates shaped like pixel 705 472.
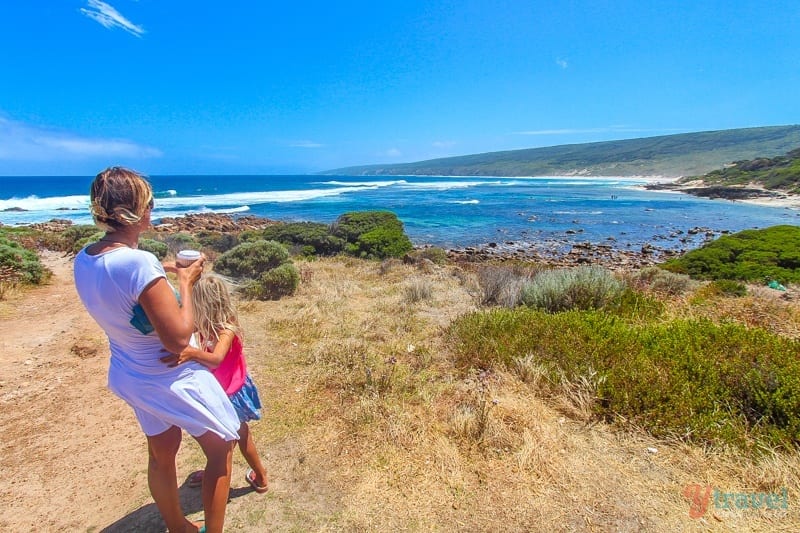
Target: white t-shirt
pixel 188 395
pixel 109 285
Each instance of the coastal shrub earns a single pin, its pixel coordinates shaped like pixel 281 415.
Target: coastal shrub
pixel 79 244
pixel 380 243
pixel 157 248
pixel 635 306
pixel 311 238
pixel 502 284
pixel 219 242
pixel 18 264
pixel 251 259
pixel 689 379
pixel 432 253
pixel 725 287
pixel 749 255
pixel 663 281
pixel 582 287
pixel 74 238
pixel 274 283
pixel 180 241
pixel 372 234
pixel 266 267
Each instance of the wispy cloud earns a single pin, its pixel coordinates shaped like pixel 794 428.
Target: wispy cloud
pixel 562 63
pixel 305 144
pixel 443 144
pixel 24 142
pixel 393 152
pixel 110 18
pixel 609 129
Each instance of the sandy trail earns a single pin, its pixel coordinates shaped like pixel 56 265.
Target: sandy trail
pixel 73 456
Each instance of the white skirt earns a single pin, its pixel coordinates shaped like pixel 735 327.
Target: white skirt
pixel 187 396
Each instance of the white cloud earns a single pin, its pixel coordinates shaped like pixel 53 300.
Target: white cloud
pixel 562 63
pixel 393 152
pixel 305 144
pixel 110 17
pixel 443 144
pixel 23 142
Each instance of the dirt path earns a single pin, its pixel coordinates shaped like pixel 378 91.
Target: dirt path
pixel 73 456
pixel 71 450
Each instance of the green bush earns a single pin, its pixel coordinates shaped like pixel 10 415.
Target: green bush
pixel 311 237
pixel 17 263
pixel 726 287
pixel 749 255
pixel 664 281
pixel 79 244
pixel 157 248
pixel 266 266
pixel 74 238
pixel 689 379
pixel 380 243
pixel 372 234
pixel 273 284
pixel 582 287
pixel 180 241
pixel 251 259
pixel 219 242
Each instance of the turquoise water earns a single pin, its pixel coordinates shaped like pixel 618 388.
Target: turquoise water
pixel 443 211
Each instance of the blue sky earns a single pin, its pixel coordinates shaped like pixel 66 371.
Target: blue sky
pixel 178 87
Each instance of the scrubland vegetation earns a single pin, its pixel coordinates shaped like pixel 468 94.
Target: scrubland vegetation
pixel 515 396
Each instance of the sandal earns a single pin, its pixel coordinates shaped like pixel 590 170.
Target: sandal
pixel 250 477
pixel 195 479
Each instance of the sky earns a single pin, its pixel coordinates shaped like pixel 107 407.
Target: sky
pixel 257 87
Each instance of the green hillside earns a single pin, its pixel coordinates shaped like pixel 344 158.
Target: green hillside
pixel 780 173
pixel 686 154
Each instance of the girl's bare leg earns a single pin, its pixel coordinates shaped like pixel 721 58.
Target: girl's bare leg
pixel 216 479
pixel 162 478
pixel 250 454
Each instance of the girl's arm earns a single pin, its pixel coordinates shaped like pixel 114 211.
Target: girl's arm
pixel 174 324
pixel 210 359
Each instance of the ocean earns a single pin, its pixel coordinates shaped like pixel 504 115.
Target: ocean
pixel 451 212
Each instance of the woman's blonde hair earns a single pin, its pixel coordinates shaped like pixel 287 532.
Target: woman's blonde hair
pixel 213 308
pixel 120 197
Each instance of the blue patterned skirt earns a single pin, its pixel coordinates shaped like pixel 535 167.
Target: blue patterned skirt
pixel 246 401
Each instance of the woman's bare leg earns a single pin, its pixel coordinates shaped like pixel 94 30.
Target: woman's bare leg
pixel 216 479
pixel 162 478
pixel 248 448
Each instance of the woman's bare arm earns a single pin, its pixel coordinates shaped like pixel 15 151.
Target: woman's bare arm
pixel 210 359
pixel 173 323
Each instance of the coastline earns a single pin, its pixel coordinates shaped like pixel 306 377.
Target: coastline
pixel 752 193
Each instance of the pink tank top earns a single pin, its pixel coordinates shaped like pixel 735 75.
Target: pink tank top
pixel 232 372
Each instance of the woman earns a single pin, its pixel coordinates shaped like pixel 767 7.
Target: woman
pixel 127 292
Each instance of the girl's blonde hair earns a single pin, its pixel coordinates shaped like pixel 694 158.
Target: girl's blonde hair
pixel 213 308
pixel 120 197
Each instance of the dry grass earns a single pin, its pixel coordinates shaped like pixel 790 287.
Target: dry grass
pixel 369 427
pixel 761 307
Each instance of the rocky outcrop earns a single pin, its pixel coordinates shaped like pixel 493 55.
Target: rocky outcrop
pixel 211 222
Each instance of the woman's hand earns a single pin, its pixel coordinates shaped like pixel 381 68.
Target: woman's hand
pixel 192 272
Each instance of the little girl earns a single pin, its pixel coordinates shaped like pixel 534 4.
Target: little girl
pixel 217 324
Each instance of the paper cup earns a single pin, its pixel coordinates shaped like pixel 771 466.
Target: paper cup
pixel 186 257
